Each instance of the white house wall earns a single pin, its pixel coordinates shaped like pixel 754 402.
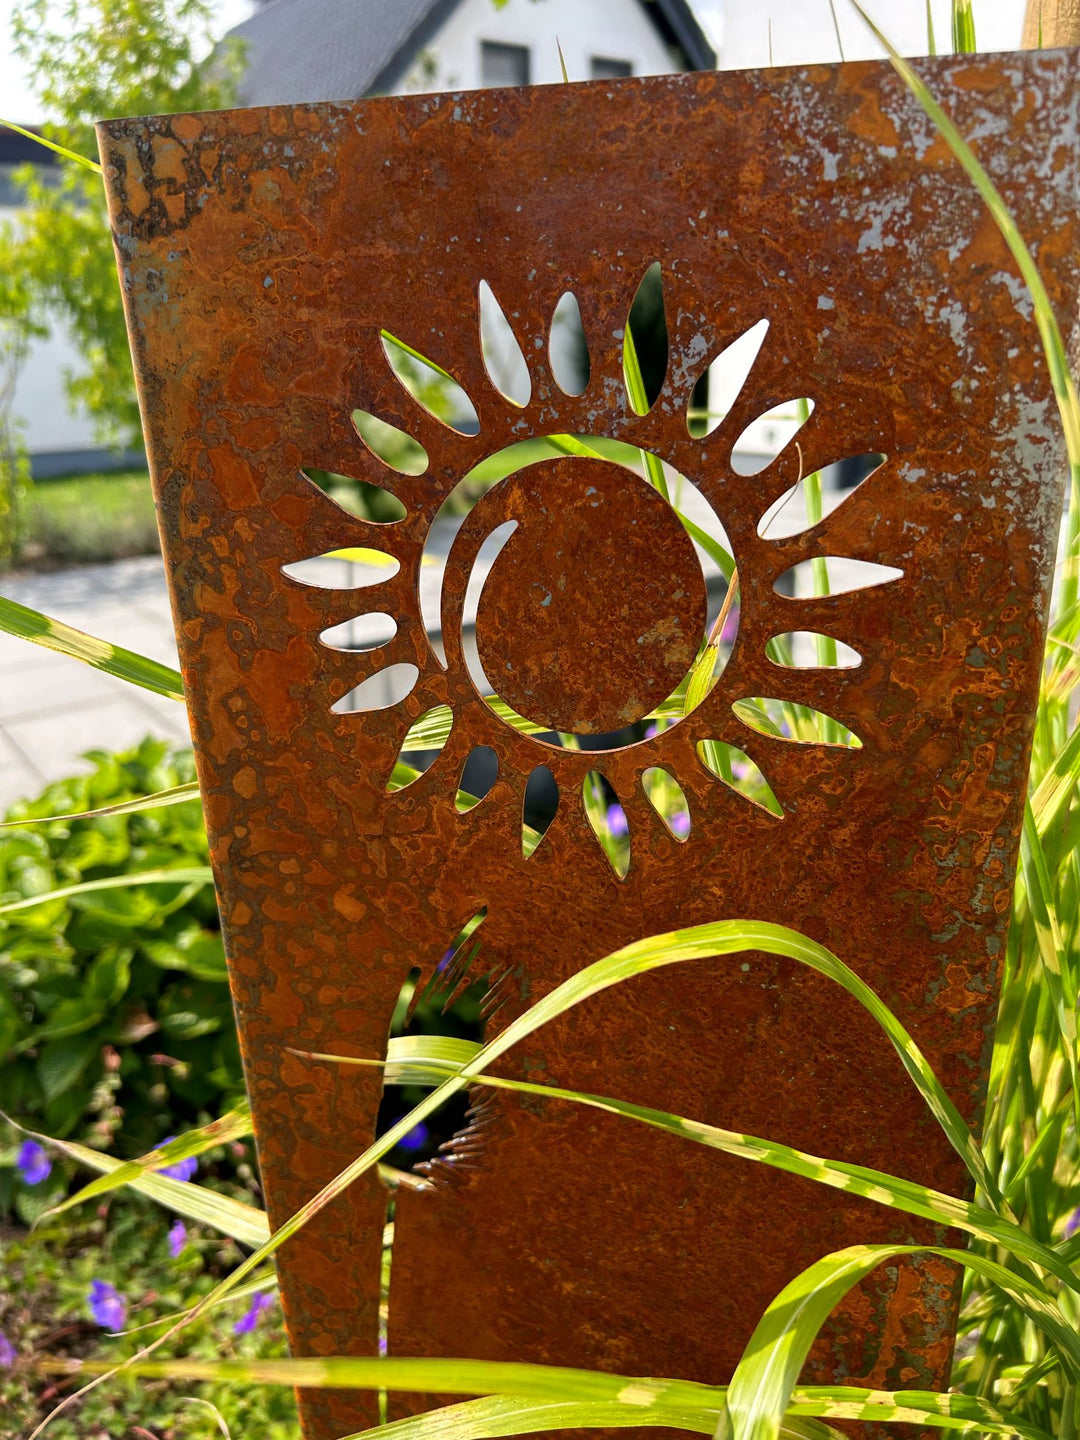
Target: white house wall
pixel 40 400
pixel 612 29
pixel 802 31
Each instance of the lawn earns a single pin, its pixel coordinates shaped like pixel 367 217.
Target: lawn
pixel 88 518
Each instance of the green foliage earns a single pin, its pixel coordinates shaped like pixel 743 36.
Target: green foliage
pixel 44 1284
pixel 88 518
pixel 91 62
pixel 115 1016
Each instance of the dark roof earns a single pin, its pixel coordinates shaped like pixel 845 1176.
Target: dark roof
pixel 16 149
pixel 301 50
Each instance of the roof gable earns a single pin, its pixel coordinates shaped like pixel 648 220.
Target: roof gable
pixel 310 50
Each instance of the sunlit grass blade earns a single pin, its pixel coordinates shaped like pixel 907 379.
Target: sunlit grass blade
pixel 1040 895
pixel 761 1387
pixel 441 1377
pixel 963 28
pixel 947 1411
pixel 496 1415
pixel 52 145
pixel 181 875
pixel 429 1059
pixel 114 660
pixel 232 1126
pixel 177 795
pixel 528 1399
pixel 1057 787
pixel 243 1223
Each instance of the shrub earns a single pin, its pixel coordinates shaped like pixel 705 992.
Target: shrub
pixel 115 1018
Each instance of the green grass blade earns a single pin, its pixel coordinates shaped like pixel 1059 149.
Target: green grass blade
pixel 181 875
pixel 445 1377
pixel 910 1407
pixel 761 1388
pixel 725 937
pixel 428 1059
pixel 1041 904
pixel 114 660
pixel 178 795
pixel 963 28
pixel 52 145
pixel 232 1126
pixel 931 43
pixel 1056 788
pixel 244 1223
pixel 527 1399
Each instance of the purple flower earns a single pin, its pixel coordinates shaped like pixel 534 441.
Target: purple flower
pixel 652 730
pixel 34 1165
pixel 616 820
pixel 107 1305
pixel 416 1139
pixel 7 1353
pixel 177 1238
pixel 680 823
pixel 731 626
pixel 1072 1224
pixel 260 1301
pixel 183 1169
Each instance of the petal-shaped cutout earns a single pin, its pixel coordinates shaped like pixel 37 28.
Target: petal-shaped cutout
pixel 344 569
pixel 668 799
pixel 764 438
pixel 810 650
pixel 379 691
pixel 784 720
pixel 568 350
pixel 423 741
pixel 363 632
pixel 806 503
pixel 359 497
pixel 433 388
pixel 645 343
pixel 735 768
pixel 727 375
pixel 392 446
pixel 478 775
pixel 538 811
pixel 843 575
pixel 608 820
pixel 503 358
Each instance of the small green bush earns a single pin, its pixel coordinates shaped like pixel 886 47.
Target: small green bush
pixel 116 1025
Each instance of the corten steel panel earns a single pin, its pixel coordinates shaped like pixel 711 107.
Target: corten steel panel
pixel 261 252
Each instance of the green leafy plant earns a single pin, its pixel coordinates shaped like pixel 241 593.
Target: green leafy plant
pixel 115 1015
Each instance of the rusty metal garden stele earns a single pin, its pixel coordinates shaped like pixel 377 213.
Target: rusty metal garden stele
pixel 263 253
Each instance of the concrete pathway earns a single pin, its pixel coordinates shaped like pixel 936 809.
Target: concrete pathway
pixel 52 709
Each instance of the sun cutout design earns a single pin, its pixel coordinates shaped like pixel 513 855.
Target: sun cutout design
pixel 589 598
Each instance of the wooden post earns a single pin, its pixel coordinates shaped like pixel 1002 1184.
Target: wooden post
pixel 1060 24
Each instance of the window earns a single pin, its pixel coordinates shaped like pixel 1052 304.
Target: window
pixel 503 64
pixel 601 68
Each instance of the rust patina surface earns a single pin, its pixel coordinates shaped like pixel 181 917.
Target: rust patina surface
pixel 261 253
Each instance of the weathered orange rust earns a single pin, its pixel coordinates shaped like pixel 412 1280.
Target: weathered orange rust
pixel 261 252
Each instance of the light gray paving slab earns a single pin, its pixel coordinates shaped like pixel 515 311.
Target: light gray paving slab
pixel 53 708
